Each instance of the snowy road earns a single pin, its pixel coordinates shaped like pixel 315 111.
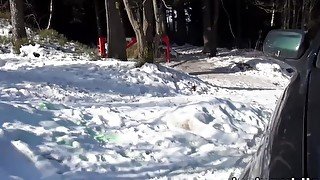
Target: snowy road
pixel 67 119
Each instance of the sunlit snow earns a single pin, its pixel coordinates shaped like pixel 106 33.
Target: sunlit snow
pixel 64 117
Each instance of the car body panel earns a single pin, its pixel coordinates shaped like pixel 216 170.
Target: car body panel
pixel 290 145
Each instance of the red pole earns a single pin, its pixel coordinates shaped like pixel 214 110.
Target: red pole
pixel 102 46
pixel 131 42
pixel 166 40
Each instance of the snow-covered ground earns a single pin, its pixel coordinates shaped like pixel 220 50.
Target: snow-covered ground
pixel 64 117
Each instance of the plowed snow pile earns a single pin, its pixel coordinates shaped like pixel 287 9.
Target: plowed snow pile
pixel 63 117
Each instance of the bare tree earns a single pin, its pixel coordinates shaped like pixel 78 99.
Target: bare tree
pixel 314 22
pixel 210 26
pixel 294 13
pixel 140 14
pixel 50 14
pixel 17 20
pixel 160 24
pixel 116 36
pixel 181 30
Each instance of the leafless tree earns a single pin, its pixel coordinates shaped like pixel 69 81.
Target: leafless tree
pixel 17 20
pixel 140 14
pixel 294 13
pixel 210 13
pixel 50 14
pixel 116 37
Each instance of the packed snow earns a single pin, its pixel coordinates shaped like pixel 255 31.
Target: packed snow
pixel 65 117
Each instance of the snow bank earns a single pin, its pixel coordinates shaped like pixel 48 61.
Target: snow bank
pixel 67 119
pixel 5 28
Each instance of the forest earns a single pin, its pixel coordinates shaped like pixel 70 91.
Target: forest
pixel 207 23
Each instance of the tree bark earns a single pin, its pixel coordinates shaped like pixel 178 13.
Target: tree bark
pixel 213 48
pixel 97 8
pixel 303 14
pixel 162 18
pixel 207 28
pixel 148 23
pixel 314 23
pixel 137 26
pixel 196 24
pixel 17 20
pixel 50 14
pixel 273 14
pixel 157 17
pixel 239 23
pixel 181 34
pixel 143 27
pixel 284 15
pixel 294 14
pixel 160 26
pixel 210 26
pixel 116 36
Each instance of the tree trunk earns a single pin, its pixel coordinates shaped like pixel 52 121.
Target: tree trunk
pixel 303 14
pixel 50 14
pixel 314 23
pixel 213 48
pixel 181 33
pixel 157 17
pixel 210 26
pixel 294 14
pixel 273 14
pixel 314 11
pixel 239 28
pixel 143 28
pixel 207 28
pixel 285 14
pixel 162 18
pixel 97 8
pixel 196 14
pixel 160 26
pixel 116 37
pixel 17 19
pixel 172 25
pixel 148 30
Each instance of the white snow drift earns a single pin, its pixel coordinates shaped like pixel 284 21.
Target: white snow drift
pixel 63 117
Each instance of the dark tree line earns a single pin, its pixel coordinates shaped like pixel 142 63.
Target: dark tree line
pixel 211 23
pixel 292 14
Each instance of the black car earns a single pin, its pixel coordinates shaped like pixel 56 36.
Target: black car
pixel 290 147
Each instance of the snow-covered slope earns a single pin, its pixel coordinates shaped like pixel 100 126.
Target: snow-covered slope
pixel 63 117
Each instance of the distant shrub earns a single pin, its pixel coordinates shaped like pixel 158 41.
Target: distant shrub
pixel 52 36
pixel 132 52
pixel 5 40
pixel 91 52
pixel 5 15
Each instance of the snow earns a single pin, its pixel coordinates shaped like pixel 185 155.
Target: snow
pixel 64 117
pixel 5 28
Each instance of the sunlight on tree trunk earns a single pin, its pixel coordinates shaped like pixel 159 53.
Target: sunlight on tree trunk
pixel 17 20
pixel 50 15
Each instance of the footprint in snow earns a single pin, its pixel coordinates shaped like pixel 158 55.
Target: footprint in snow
pixel 2 63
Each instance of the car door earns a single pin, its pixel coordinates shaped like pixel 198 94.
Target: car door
pixel 290 146
pixel 313 117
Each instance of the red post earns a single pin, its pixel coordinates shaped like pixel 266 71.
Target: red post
pixel 102 46
pixel 131 42
pixel 166 40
